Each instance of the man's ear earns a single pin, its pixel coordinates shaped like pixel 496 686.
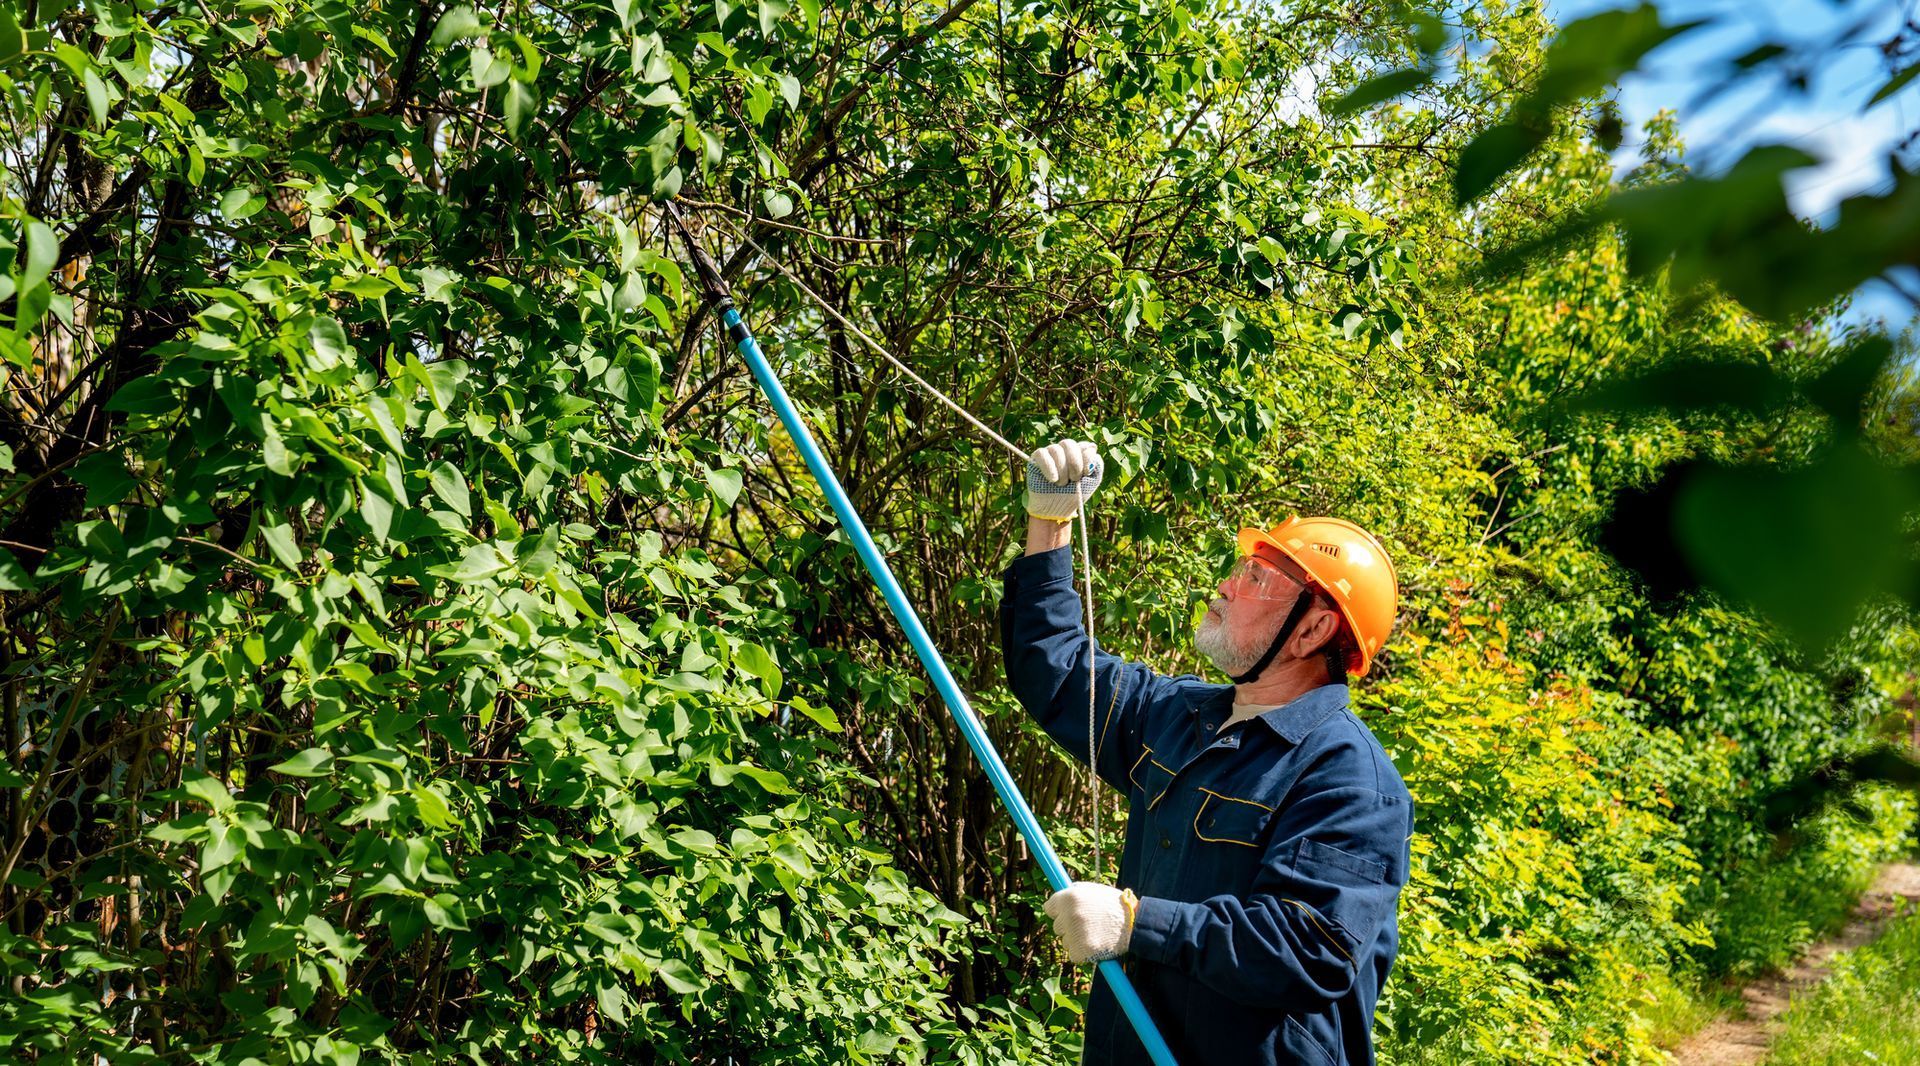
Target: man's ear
pixel 1320 626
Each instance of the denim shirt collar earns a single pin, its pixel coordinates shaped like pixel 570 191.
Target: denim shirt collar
pixel 1295 720
pixel 1290 720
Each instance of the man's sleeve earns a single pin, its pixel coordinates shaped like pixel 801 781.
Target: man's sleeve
pixel 1331 879
pixel 1045 646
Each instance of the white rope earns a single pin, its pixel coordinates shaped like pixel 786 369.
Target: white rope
pixel 1086 552
pixel 1093 737
pixel 887 355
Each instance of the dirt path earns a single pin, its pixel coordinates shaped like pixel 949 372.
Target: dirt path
pixel 1743 1039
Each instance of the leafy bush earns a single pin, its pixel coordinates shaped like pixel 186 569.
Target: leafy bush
pixel 1765 912
pixel 420 645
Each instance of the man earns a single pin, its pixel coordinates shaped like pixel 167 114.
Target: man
pixel 1267 835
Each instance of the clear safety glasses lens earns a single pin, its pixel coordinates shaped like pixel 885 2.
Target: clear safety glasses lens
pixel 1253 576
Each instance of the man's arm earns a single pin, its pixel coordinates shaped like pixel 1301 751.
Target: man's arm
pixel 1045 646
pixel 1042 634
pixel 1045 534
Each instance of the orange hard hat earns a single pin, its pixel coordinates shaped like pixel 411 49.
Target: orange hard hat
pixel 1349 566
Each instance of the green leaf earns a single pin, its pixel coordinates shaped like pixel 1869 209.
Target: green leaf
pixel 824 717
pixel 13 576
pixel 365 286
pixel 224 844
pixel 536 557
pixel 279 538
pixel 1379 90
pixel 445 911
pixel 241 202
pixel 759 662
pixel 377 511
pixel 106 477
pixel 759 101
pixel 13 40
pixel 725 484
pixel 43 250
pixel 522 103
pixel 143 396
pixel 433 808
pixel 1751 531
pixel 1895 84
pixel 480 560
pixel 488 69
pixel 796 860
pixel 451 486
pixel 207 790
pixel 439 285
pixel 1690 385
pixel 274 453
pixel 697 841
pixel 771 780
pixel 99 100
pixel 377 412
pixel 458 24
pixel 1591 53
pixel 331 347
pixel 771 12
pixel 1843 389
pixel 1488 157
pixel 313 762
pixel 680 978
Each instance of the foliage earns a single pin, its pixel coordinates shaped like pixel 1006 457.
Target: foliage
pixel 1865 1010
pixel 1771 910
pixel 406 735
pixel 1548 870
pixel 420 644
pixel 1731 234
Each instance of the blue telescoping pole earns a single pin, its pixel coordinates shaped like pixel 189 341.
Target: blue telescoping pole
pixel 963 715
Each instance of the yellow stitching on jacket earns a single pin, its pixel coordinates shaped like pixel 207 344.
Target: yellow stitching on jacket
pixel 1111 701
pixel 1236 799
pixel 1217 840
pixel 1147 755
pixel 1315 918
pixel 1136 765
pixel 1164 791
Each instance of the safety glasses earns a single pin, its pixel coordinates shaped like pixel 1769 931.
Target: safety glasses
pixel 1262 579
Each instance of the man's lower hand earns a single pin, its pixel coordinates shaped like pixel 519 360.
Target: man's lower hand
pixel 1095 921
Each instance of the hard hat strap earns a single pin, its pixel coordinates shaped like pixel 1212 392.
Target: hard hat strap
pixel 1286 630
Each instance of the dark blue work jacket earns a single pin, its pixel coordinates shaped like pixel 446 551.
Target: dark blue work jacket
pixel 1268 857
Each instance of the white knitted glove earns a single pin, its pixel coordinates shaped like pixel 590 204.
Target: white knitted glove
pixel 1060 476
pixel 1095 921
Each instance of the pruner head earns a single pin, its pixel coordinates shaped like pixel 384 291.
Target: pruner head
pixel 711 282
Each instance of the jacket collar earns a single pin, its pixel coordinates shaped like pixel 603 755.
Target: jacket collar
pixel 1295 720
pixel 1291 720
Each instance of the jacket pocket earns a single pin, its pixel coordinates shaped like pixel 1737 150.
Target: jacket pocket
pixel 1344 865
pixel 1224 819
pixel 1301 1045
pixel 1149 778
pixel 1347 893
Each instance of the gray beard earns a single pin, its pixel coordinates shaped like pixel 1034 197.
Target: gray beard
pixel 1233 659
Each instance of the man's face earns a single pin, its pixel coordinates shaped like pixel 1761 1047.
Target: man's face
pixel 1252 605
